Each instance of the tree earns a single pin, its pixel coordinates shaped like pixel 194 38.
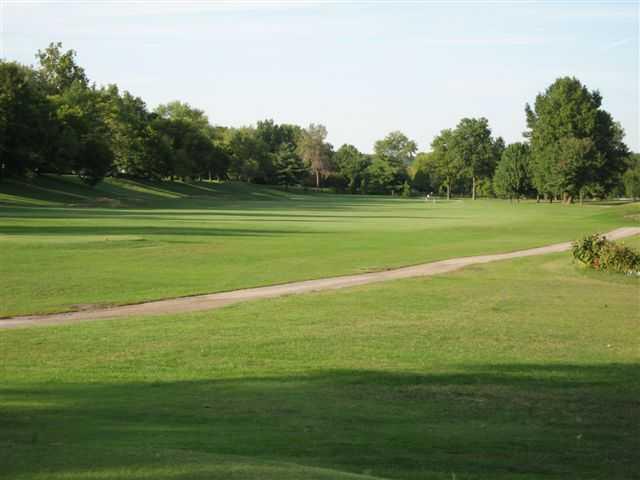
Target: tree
pixel 275 137
pixel 422 171
pixel 392 155
pixel 575 144
pixel 381 176
pixel 396 149
pixel 475 148
pixel 289 167
pixel 315 151
pixel 58 70
pixel 82 145
pixel 130 135
pixel 447 165
pixel 512 178
pixel 352 165
pixel 198 148
pixel 94 159
pixel 26 121
pixel 182 111
pixel 631 178
pixel 247 154
pixel 160 150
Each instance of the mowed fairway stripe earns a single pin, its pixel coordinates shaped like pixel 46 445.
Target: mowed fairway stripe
pixel 217 300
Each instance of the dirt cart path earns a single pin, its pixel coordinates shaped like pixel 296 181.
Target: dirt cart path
pixel 216 300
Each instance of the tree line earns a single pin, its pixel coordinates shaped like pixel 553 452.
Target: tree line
pixel 54 120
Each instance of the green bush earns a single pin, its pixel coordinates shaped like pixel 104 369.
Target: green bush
pixel 597 252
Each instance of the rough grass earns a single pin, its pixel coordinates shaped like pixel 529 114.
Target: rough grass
pixel 64 246
pixel 522 369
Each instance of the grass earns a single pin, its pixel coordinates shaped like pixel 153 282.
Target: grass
pixel 521 369
pixel 64 246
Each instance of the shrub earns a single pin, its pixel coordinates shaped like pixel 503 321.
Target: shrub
pixel 597 252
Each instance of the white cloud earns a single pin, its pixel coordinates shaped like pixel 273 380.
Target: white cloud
pixel 617 43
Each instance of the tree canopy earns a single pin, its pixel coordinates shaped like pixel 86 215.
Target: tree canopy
pixel 576 146
pixel 53 119
pixel 512 178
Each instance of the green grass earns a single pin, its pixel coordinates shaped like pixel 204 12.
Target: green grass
pixel 522 369
pixel 64 246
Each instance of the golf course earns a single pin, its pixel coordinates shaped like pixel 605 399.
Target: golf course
pixel 64 249
pixel 522 368
pixel 319 240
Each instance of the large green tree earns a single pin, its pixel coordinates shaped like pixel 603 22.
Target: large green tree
pixel 392 156
pixel 289 167
pixel 130 134
pixel 475 148
pixel 277 140
pixel 396 149
pixel 83 145
pixel 423 173
pixel 59 70
pixel 199 149
pixel 576 146
pixel 26 121
pixel 182 111
pixel 82 142
pixel 352 165
pixel 447 165
pixel 512 178
pixel 248 154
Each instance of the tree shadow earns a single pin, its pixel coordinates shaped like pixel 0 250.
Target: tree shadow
pixel 82 230
pixel 281 215
pixel 138 193
pixel 491 421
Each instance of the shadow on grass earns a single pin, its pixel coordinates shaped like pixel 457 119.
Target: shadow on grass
pixel 136 193
pixel 281 215
pixel 495 421
pixel 71 230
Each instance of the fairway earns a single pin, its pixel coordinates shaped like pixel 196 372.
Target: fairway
pixel 66 247
pixel 515 370
pixel 521 369
pixel 243 266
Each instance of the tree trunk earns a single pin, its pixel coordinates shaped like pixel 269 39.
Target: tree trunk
pixel 209 174
pixel 317 178
pixel 473 187
pixel 448 192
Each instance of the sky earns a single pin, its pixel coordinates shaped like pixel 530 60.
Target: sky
pixel 362 69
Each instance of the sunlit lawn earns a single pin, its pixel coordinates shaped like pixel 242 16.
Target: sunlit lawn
pixel 514 370
pixel 64 246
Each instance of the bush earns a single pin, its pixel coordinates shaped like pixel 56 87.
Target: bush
pixel 597 252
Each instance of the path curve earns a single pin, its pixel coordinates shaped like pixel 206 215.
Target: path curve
pixel 216 300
